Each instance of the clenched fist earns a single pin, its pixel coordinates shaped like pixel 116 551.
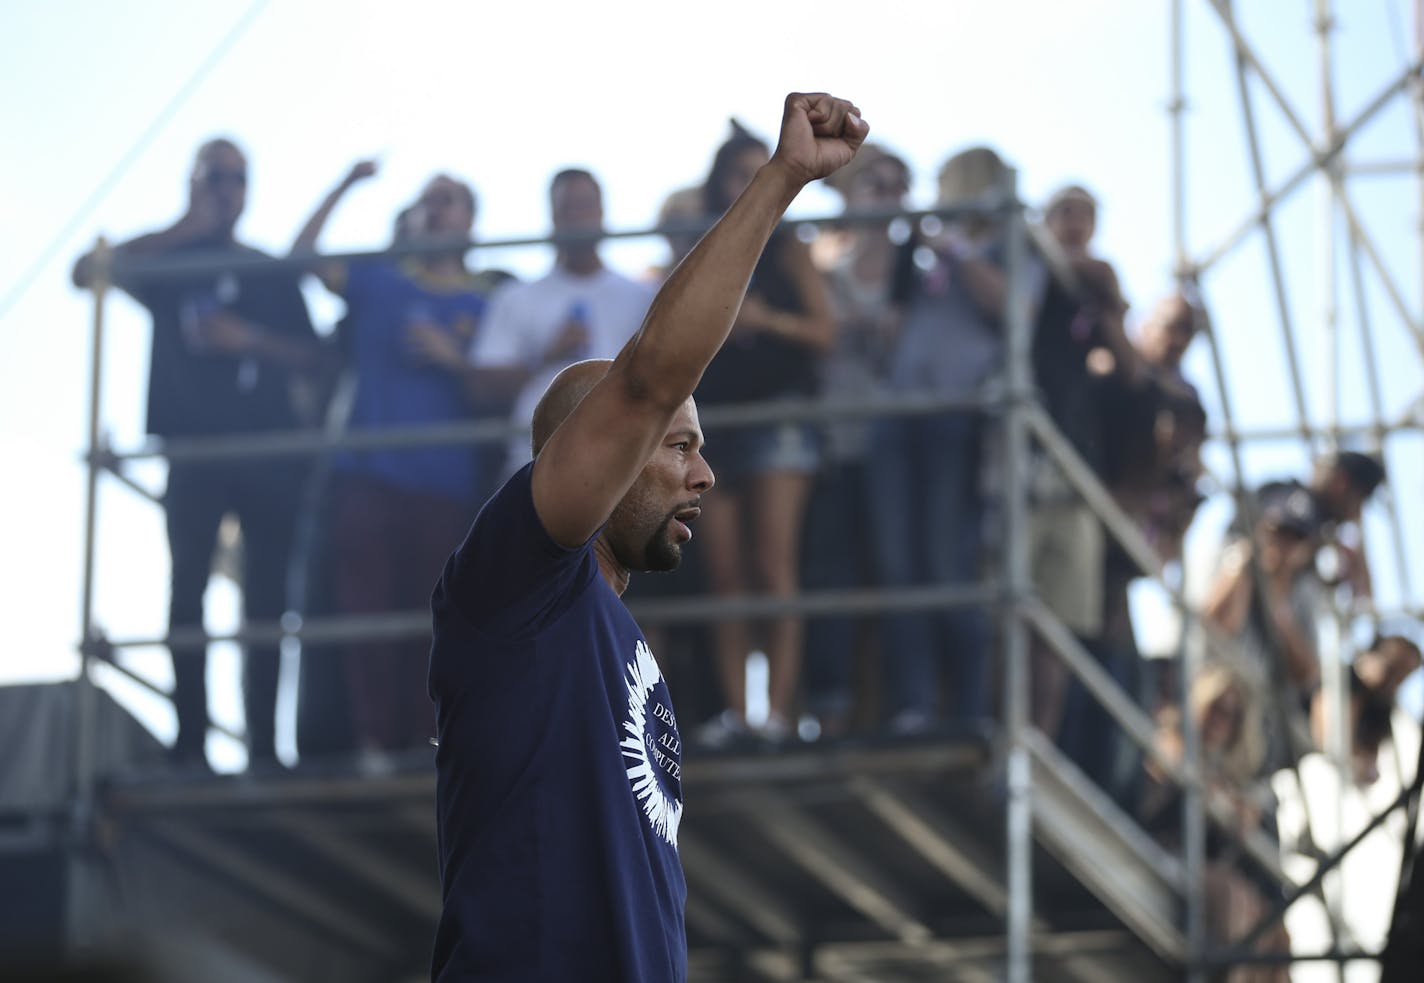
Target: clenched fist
pixel 819 134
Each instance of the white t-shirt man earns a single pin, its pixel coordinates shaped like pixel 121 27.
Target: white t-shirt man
pixel 524 319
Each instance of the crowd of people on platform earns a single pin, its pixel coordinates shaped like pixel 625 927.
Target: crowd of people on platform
pixel 897 502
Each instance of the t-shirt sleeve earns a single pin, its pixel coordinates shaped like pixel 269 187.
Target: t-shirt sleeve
pixel 509 578
pixel 141 291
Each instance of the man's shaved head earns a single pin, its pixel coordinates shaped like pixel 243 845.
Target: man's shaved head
pixel 566 391
pixel 218 149
pixel 218 186
pixel 649 524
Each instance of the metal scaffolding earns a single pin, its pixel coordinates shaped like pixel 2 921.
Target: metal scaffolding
pixel 1046 798
pixel 1343 234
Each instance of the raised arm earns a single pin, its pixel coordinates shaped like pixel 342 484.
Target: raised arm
pixel 1228 598
pixel 311 232
pixel 330 274
pixel 596 454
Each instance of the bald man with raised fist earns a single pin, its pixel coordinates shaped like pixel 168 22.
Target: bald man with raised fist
pixel 559 788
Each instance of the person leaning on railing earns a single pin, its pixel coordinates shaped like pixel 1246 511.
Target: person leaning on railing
pixel 860 267
pixel 927 507
pixel 1151 427
pixel 226 348
pixel 1080 351
pixel 395 510
pixel 754 524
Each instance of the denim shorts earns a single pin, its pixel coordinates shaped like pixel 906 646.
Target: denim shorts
pixel 749 451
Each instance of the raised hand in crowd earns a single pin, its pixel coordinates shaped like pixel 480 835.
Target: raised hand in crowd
pixel 307 237
pixel 1284 551
pixel 359 172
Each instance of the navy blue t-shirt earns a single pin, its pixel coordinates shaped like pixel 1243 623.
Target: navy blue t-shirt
pixel 559 787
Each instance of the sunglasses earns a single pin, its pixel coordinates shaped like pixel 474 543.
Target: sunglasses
pixel 215 179
pixel 1293 533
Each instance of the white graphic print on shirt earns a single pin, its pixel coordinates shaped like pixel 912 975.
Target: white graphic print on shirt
pixel 646 751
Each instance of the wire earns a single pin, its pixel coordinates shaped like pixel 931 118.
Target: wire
pixel 107 183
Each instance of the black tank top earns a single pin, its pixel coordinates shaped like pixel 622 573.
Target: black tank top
pixel 762 365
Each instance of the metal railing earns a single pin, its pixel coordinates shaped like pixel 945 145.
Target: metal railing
pixel 1012 594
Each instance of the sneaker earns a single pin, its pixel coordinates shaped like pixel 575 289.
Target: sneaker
pixel 776 730
pixel 722 731
pixel 375 763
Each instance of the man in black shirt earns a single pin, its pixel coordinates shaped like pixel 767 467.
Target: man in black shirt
pixel 225 347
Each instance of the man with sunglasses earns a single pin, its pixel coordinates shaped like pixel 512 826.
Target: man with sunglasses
pixel 226 344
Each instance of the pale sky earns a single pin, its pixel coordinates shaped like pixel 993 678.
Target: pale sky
pixel 506 94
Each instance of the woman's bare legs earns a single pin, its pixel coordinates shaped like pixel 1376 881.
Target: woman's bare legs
pixel 720 533
pixel 779 503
